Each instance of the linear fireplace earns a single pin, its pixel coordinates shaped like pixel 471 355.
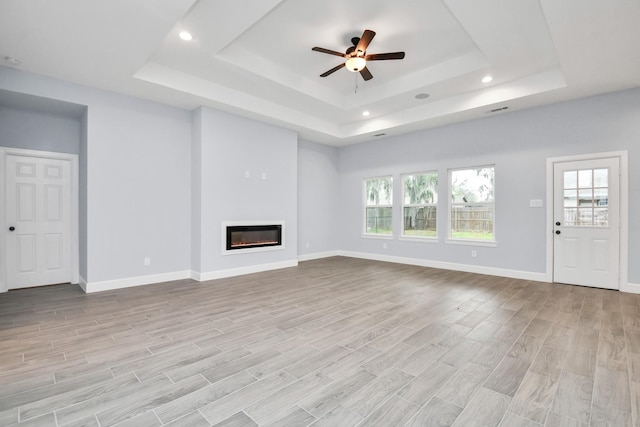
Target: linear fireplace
pixel 244 237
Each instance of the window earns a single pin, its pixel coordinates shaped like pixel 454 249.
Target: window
pixel 586 197
pixel 472 204
pixel 378 205
pixel 420 198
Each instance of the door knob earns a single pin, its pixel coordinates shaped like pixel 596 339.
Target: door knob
pixel 557 222
pixel 12 228
pixel 557 231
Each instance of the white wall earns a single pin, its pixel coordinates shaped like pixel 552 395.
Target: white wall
pixel 230 147
pixel 318 208
pixel 518 143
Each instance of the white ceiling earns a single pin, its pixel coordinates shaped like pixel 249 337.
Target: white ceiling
pixel 254 57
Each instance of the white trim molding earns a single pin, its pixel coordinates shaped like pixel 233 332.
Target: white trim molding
pixel 108 285
pixel 83 284
pixel 317 255
pixel 492 271
pixel 4 287
pixel 231 272
pixel 632 288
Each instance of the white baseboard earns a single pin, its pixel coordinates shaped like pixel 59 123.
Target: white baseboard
pixel 492 271
pixel 231 272
pixel 83 284
pixel 212 275
pixel 318 255
pixel 632 288
pixel 108 285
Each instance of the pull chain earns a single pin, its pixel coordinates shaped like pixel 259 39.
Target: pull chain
pixel 355 76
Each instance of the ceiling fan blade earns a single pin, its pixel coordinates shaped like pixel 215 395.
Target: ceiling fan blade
pixel 366 74
pixel 366 38
pixel 384 56
pixel 333 70
pixel 330 52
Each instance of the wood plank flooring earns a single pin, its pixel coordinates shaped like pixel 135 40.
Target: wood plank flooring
pixel 332 342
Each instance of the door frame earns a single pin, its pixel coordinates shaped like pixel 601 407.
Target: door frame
pixel 75 233
pixel 624 211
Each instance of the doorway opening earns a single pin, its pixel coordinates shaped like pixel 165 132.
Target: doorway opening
pixel 587 220
pixel 39 191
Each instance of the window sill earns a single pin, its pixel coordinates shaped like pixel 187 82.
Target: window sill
pixel 491 244
pixel 419 239
pixel 377 236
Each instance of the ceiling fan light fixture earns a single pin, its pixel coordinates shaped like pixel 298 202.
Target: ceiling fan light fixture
pixel 355 64
pixel 356 57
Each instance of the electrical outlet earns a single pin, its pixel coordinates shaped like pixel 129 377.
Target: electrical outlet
pixel 307 245
pixel 474 254
pixel 384 246
pixel 147 261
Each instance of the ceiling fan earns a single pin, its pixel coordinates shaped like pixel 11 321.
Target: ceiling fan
pixel 356 56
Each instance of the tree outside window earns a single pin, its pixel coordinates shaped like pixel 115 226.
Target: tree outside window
pixel 472 203
pixel 378 205
pixel 420 198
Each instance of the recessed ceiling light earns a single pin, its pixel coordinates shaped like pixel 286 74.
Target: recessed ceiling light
pixel 185 35
pixel 422 96
pixel 365 113
pixel 12 61
pixel 487 79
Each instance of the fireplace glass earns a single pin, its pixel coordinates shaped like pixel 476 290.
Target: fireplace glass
pixel 253 236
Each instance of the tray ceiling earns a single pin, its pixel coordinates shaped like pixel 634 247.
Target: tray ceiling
pixel 254 58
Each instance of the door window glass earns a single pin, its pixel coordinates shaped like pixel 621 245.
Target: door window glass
pixel 586 197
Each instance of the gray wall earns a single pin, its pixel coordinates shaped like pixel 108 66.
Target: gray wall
pixel 230 147
pixel 39 131
pixel 135 166
pixel 35 123
pixel 518 143
pixel 158 181
pixel 83 198
pixel 196 191
pixel 317 198
pixel 139 201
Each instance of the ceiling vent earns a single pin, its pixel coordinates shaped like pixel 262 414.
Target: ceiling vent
pixel 495 110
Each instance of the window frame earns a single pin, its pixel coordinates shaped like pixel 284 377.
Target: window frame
pixel 452 203
pixel 404 205
pixel 365 206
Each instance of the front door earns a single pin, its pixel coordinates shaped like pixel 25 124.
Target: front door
pixel 586 215
pixel 38 221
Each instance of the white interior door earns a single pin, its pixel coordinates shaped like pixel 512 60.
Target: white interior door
pixel 38 220
pixel 586 212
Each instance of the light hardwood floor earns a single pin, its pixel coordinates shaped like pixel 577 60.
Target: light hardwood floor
pixel 332 342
